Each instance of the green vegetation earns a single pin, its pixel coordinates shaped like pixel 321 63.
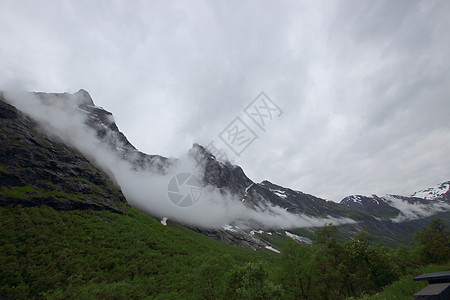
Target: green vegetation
pixel 434 243
pixel 334 270
pixel 43 190
pixel 46 253
pixel 29 191
pixel 4 169
pixel 404 288
pixel 330 269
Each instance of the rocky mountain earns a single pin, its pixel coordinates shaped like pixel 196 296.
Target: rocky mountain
pixel 231 178
pixel 388 218
pixel 36 169
pixel 103 123
pixel 371 204
pixel 440 193
pixel 400 208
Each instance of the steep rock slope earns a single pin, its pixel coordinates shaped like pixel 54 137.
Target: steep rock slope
pixel 38 170
pixel 103 123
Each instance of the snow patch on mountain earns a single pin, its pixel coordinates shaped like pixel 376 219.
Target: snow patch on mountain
pixel 356 199
pixel 229 228
pixel 246 190
pixel 433 193
pixel 361 199
pixel 297 238
pixel 272 249
pixel 252 232
pixel 279 193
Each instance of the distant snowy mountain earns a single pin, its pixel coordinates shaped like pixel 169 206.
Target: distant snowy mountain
pixel 396 207
pixel 439 192
pixel 375 205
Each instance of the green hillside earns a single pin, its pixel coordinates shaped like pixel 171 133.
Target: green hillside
pixel 87 254
pixel 83 254
pixel 67 232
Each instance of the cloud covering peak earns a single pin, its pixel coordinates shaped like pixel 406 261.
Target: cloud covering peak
pixel 148 187
pixel 363 85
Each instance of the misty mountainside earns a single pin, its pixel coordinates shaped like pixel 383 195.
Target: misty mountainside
pixel 422 203
pixel 44 161
pixel 388 218
pixel 231 178
pixel 36 170
pixel 106 129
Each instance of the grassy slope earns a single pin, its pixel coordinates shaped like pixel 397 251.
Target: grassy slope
pixel 50 253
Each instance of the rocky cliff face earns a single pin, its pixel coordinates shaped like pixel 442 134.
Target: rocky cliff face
pixel 225 176
pixel 38 170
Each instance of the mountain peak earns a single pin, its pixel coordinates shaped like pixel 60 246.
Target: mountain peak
pixel 78 99
pixel 265 181
pixel 438 192
pixel 83 97
pixel 198 147
pixel 270 185
pixel 198 151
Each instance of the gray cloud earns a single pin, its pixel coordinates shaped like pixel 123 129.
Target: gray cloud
pixel 410 211
pixel 363 85
pixel 148 190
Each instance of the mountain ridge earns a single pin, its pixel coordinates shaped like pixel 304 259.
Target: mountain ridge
pixel 354 212
pixel 36 170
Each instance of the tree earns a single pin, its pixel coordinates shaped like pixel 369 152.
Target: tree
pixel 210 275
pixel 296 271
pixel 326 234
pixel 434 242
pixel 331 278
pixel 371 267
pixel 251 282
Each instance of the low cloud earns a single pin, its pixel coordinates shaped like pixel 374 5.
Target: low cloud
pixel 145 189
pixel 412 211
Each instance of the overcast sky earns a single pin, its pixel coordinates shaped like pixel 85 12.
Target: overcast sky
pixel 363 86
